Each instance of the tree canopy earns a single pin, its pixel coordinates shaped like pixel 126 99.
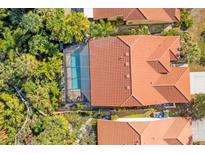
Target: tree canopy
pixel 30 73
pixel 199 106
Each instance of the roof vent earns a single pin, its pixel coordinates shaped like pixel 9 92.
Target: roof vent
pixel 127 54
pixel 126 63
pixel 127 87
pixel 127 76
pixel 120 58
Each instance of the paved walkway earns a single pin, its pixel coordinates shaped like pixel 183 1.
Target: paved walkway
pixel 83 130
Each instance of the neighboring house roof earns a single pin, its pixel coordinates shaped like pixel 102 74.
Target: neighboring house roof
pixel 150 14
pixel 135 70
pixel 167 131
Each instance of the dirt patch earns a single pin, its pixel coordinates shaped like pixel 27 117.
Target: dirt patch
pixel 198 22
pixel 198 26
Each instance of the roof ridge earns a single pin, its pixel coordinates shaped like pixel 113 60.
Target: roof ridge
pixel 175 14
pixel 187 68
pixel 165 13
pixel 129 13
pixel 131 96
pixel 156 85
pixel 182 131
pixel 136 38
pixel 130 124
pixel 172 44
pixel 182 93
pixel 142 13
pixel 173 123
pixel 161 43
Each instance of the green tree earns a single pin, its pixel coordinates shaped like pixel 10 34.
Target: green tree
pixel 49 69
pixel 190 53
pixel 11 116
pixel 102 29
pixel 7 44
pixel 31 22
pixel 15 15
pixel 141 30
pixel 52 130
pixel 15 73
pixel 3 16
pixel 43 96
pixel 41 46
pixel 30 60
pixel 198 108
pixel 186 20
pixel 65 28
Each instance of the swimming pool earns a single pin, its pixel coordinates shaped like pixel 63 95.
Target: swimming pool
pixel 75 71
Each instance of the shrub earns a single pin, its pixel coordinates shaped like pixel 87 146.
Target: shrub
pixel 186 20
pixel 199 106
pixel 102 29
pixel 190 53
pixel 119 21
pixel 114 117
pixel 141 30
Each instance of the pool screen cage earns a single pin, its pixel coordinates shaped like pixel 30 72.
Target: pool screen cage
pixel 72 77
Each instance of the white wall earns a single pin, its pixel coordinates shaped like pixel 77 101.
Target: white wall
pixel 198 130
pixel 88 12
pixel 197 82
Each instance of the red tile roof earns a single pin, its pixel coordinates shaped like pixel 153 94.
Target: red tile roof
pixel 166 131
pixel 135 70
pixel 149 14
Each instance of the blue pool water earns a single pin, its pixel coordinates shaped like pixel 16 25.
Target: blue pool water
pixel 75 70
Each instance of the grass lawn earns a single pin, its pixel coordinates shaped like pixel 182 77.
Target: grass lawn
pixel 135 116
pixel 197 68
pixel 202 142
pixel 198 26
pixel 198 16
pixel 133 113
pixel 199 143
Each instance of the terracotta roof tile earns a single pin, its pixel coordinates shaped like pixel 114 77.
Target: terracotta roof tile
pixel 167 131
pixel 128 136
pixel 149 14
pixel 156 14
pixel 173 13
pixel 122 73
pixel 174 85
